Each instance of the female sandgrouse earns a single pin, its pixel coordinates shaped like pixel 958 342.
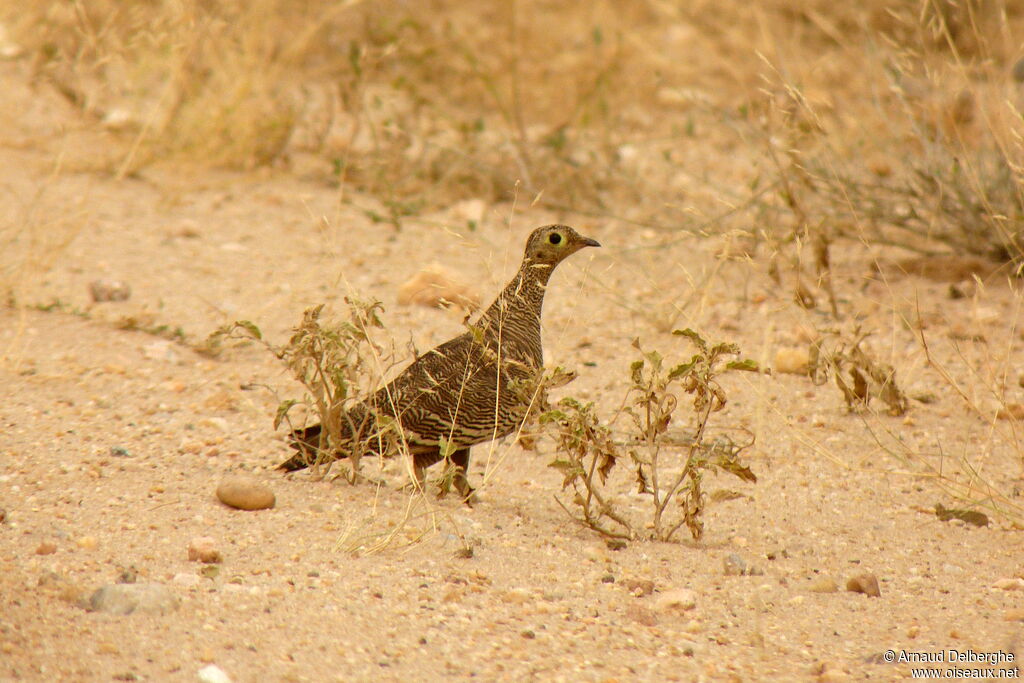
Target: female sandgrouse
pixel 467 390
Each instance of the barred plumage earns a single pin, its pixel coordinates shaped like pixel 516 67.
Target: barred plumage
pixel 467 390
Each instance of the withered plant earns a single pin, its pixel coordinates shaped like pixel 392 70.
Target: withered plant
pixel 336 362
pixel 669 464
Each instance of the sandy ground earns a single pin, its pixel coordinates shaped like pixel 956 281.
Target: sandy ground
pixel 112 442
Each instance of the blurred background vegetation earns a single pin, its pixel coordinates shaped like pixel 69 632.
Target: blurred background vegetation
pixel 894 122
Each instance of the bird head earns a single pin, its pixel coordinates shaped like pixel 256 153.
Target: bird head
pixel 550 244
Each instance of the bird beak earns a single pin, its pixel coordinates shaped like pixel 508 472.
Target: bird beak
pixel 588 242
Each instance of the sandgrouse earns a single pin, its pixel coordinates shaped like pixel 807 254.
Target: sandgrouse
pixel 467 390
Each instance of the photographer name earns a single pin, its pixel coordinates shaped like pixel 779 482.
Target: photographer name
pixel 957 656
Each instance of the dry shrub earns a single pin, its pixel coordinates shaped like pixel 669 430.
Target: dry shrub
pixel 338 363
pixel 859 377
pixel 668 466
pixel 922 148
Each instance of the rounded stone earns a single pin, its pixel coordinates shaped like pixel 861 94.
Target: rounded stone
pixel 244 493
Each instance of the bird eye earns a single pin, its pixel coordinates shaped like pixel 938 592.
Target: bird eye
pixel 555 238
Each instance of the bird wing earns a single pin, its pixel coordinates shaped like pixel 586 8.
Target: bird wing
pixel 455 394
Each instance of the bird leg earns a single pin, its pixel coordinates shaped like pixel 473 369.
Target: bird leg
pixel 457 464
pixel 460 461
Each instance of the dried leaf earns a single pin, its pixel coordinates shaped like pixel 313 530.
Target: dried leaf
pixel 746 365
pixel 282 411
pixel 250 328
pixel 733 467
pixel 970 516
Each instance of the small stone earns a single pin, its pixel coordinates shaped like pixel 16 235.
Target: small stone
pixel 681 599
pixel 639 587
pixel 9 51
pixel 470 210
pixel 87 543
pixel 218 423
pixel 161 351
pixel 128 598
pixel 186 579
pixel 3 515
pixel 608 578
pixel 792 361
pixel 831 673
pixel 211 673
pixel 46 548
pixel 528 634
pixel 435 287
pixel 615 544
pixel 1011 411
pixel 734 565
pixel 866 584
pixel 128 575
pixel 120 119
pixel 914 631
pixel 823 584
pixel 120 452
pixel 1014 614
pixel 1010 584
pixel 244 493
pixel 641 615
pixel 204 549
pixel 109 290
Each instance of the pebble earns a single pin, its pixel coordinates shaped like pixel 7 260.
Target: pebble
pixel 204 549
pixel 46 548
pixel 161 351
pixel 641 615
pixel 792 361
pixel 244 493
pixel 109 290
pixel 639 587
pixel 681 599
pixel 435 287
pixel 823 584
pixel 1011 411
pixel 128 598
pixel 864 583
pixel 734 565
pixel 186 579
pixel 211 673
pixel 1014 614
pixel 87 543
pixel 1008 584
pixel 3 515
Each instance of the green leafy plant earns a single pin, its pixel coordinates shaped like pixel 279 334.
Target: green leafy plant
pixel 669 465
pixel 336 363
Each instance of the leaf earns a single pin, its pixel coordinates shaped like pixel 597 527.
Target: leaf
pixel 692 336
pixel 569 468
pixel 282 411
pixel 682 369
pixel 970 516
pixel 636 371
pixel 553 416
pixel 746 365
pixel 249 327
pixel 723 495
pixel 733 467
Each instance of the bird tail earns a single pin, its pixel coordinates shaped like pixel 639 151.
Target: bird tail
pixel 307 442
pixel 357 434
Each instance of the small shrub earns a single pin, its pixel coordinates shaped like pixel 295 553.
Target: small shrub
pixel 669 466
